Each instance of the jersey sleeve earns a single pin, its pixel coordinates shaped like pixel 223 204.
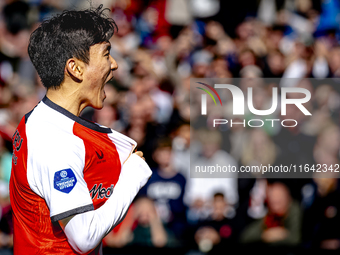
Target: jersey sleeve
pixel 56 174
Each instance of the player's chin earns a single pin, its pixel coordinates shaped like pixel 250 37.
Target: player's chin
pixel 99 104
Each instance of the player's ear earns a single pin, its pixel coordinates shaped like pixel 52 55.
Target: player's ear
pixel 75 69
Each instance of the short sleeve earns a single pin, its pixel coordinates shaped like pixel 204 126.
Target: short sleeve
pixel 56 174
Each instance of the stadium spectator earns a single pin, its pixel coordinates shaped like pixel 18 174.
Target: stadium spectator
pixel 217 233
pixel 321 217
pixel 149 230
pixel 281 226
pixel 166 188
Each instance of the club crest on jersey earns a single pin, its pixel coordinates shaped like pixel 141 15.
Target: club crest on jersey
pixel 101 192
pixel 64 180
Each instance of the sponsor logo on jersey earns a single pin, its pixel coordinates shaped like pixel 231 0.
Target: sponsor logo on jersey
pixel 17 140
pixel 64 180
pixel 101 155
pixel 100 192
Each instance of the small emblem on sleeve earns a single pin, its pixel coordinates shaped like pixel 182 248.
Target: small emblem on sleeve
pixel 64 180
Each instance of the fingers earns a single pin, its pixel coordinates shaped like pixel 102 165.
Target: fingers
pixel 140 154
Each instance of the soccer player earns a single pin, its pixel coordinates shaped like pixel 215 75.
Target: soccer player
pixel 72 180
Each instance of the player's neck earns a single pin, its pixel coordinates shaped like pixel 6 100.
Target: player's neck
pixel 67 98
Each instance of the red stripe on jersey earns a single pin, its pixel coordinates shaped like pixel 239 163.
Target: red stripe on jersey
pixel 102 163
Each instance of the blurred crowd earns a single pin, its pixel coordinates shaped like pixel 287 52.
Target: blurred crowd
pixel 160 46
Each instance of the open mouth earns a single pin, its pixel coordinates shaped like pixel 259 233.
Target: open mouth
pixel 110 75
pixel 109 78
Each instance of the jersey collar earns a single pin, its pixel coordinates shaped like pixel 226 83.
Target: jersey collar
pixel 81 121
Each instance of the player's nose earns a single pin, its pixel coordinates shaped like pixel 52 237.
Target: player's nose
pixel 114 65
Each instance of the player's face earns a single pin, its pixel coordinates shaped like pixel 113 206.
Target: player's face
pixel 97 73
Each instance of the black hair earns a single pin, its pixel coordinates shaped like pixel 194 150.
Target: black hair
pixel 69 34
pixel 219 194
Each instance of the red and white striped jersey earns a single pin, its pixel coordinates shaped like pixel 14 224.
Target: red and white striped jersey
pixel 62 165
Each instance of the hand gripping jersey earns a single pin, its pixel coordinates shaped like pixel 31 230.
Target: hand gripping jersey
pixel 62 166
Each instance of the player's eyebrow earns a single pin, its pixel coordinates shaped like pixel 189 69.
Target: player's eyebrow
pixel 108 47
